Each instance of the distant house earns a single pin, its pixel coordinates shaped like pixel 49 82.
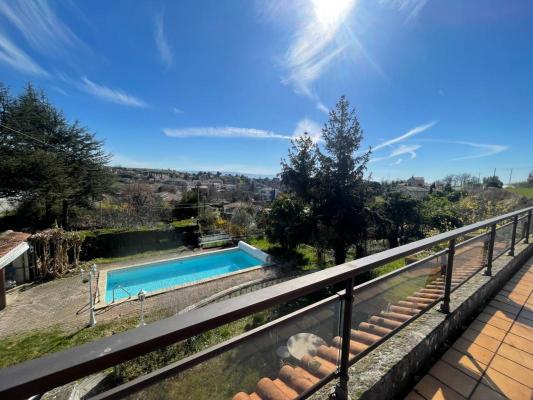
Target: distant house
pixel 268 194
pixel 530 178
pixel 413 191
pixel 416 181
pixel 14 262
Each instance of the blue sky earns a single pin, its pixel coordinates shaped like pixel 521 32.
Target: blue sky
pixel 440 87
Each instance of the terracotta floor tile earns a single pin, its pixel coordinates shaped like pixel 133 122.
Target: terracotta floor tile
pixel 526 314
pixel 464 363
pixel 495 321
pixel 488 330
pixel 521 329
pixel 513 299
pixel 457 380
pixel 515 290
pixel 507 386
pixel 413 396
pixel 524 321
pixel 481 339
pixel 483 392
pixel 514 310
pixel 519 342
pixel 502 314
pixel 473 350
pixel 432 389
pixel 513 370
pixel 517 355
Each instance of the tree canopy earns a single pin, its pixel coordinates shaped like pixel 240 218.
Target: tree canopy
pixel 47 163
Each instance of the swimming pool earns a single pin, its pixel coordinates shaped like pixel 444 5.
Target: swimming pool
pixel 158 276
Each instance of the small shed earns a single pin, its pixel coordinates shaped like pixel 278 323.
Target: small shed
pixel 14 262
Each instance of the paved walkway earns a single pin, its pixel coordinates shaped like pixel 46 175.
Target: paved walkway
pixel 493 359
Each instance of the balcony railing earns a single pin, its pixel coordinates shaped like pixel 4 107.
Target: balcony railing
pixel 298 353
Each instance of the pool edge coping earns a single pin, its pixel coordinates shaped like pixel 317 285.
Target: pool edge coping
pixel 102 278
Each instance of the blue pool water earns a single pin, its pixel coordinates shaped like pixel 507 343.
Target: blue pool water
pixel 167 274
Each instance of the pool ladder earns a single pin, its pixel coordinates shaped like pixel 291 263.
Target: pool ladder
pixel 120 287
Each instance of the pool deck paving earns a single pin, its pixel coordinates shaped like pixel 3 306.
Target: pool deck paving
pixel 493 359
pixel 64 301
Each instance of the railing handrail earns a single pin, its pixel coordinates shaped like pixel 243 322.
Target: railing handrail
pixel 56 369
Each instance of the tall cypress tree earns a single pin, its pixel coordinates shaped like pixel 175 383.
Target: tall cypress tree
pixel 341 189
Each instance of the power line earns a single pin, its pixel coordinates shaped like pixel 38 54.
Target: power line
pixel 31 137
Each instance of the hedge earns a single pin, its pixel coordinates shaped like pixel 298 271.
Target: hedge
pixel 120 243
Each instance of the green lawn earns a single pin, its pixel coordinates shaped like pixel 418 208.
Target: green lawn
pixel 522 191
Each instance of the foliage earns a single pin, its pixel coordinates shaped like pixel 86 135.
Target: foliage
pixel 342 192
pixel 522 191
pixel 242 221
pixel 440 213
pixel 207 219
pixel 287 223
pixel 492 181
pixel 47 162
pixel 403 216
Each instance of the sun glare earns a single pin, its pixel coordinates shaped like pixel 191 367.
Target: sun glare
pixel 330 12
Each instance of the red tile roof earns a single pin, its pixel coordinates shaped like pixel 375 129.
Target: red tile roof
pixel 9 240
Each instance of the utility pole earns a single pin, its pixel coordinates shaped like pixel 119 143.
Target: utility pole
pixel 510 176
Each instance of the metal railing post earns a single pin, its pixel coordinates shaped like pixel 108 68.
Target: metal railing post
pixel 528 226
pixel 445 306
pixel 490 253
pixel 341 392
pixel 513 237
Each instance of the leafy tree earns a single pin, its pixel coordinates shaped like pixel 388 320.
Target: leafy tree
pixel 402 214
pixel 48 163
pixel 440 213
pixel 492 181
pixel 287 222
pixel 341 190
pixel 298 175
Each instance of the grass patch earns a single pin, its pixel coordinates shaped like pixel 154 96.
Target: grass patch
pixel 385 269
pixel 27 346
pixel 303 257
pixel 184 223
pixel 522 191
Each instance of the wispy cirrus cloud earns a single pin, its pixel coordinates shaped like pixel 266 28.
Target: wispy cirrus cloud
pixel 38 22
pixel 314 46
pixel 163 48
pixel 411 8
pixel 106 93
pixel 223 132
pixel 480 149
pixel 400 150
pixel 17 59
pixel 177 110
pixel 232 132
pixel 412 132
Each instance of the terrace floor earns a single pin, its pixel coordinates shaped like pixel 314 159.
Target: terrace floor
pixel 493 359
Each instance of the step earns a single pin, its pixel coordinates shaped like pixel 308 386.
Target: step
pixel 317 366
pixel 268 390
pixel 329 353
pixel 403 310
pixel 374 329
pixel 241 396
pixel 294 379
pixel 409 304
pixel 364 337
pixel 420 300
pixel 395 316
pixel 385 322
pixel 287 390
pixel 355 346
